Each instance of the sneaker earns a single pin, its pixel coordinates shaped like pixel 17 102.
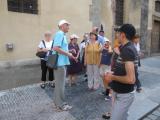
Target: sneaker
pixel 106 116
pixel 86 80
pixel 107 98
pixel 74 84
pixel 90 89
pixel 43 85
pixel 66 107
pixel 51 84
pixel 139 90
pixel 103 93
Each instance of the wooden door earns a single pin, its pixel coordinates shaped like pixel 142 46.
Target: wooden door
pixel 155 43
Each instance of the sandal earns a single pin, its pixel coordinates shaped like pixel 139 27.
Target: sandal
pixel 106 115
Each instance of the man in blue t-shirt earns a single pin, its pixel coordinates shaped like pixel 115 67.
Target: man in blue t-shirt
pixel 101 37
pixel 61 46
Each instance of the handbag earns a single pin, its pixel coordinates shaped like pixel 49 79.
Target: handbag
pixel 42 54
pixel 52 58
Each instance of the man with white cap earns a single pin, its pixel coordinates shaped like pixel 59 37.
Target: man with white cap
pixel 61 46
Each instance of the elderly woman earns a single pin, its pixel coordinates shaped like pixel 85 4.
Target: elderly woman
pixel 45 46
pixel 92 61
pixel 74 66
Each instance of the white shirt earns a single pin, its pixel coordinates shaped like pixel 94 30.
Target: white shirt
pixel 48 44
pixel 82 47
pixel 137 46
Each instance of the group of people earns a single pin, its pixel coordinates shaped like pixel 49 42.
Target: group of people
pixel 115 69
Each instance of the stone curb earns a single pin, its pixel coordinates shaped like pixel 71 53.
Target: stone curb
pixel 150 112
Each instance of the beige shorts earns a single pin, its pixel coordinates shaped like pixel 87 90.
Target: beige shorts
pixel 104 69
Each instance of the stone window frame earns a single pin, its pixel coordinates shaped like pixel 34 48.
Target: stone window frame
pixel 23 6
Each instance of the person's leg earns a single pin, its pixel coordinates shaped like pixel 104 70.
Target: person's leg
pixel 59 97
pixel 90 76
pixel 96 76
pixel 107 91
pixel 44 73
pixel 102 81
pixel 51 74
pixel 101 71
pixel 74 79
pixel 44 70
pixel 138 83
pixel 107 69
pixel 85 74
pixel 107 115
pixel 70 80
pixel 51 77
pixel 85 77
pixel 121 105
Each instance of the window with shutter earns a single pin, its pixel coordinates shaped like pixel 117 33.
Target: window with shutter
pixel 23 6
pixel 119 12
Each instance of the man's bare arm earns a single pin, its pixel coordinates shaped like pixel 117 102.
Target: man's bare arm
pixel 130 74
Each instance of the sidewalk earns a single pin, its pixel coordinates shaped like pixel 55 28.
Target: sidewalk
pixel 149 99
pixel 153 115
pixel 33 103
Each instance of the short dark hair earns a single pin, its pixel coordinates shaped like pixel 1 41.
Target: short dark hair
pixel 129 30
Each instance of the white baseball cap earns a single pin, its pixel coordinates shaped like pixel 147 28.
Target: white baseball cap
pixel 106 39
pixel 61 22
pixel 74 36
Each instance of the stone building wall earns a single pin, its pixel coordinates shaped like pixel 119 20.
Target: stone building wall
pixel 26 30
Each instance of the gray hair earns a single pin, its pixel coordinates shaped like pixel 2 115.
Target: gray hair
pixel 47 33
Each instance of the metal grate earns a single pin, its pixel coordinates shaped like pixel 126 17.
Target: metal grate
pixel 119 12
pixel 157 6
pixel 23 6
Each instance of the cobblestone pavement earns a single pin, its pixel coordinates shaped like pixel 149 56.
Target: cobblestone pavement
pixel 154 115
pixel 34 103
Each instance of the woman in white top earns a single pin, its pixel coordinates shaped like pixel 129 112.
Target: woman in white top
pixel 82 46
pixel 45 46
pixel 138 64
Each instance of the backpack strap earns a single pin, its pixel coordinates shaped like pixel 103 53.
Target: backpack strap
pixel 44 43
pixel 53 43
pixel 86 44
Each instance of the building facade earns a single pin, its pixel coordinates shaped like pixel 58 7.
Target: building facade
pixel 23 22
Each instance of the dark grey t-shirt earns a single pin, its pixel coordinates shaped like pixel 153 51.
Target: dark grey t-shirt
pixel 127 53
